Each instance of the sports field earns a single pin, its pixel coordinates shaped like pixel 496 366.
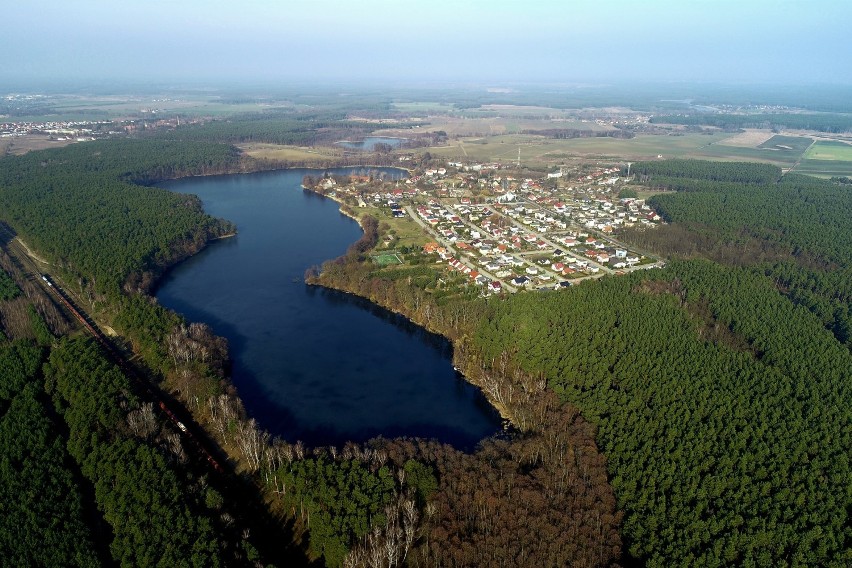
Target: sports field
pixel 387 259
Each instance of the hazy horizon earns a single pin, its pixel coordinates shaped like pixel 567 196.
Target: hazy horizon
pixel 431 43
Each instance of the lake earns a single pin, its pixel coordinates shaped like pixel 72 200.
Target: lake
pixel 368 144
pixel 310 363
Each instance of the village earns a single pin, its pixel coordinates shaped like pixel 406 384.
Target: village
pixel 506 232
pixel 75 130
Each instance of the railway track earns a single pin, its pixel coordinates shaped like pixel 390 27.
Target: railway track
pixel 35 273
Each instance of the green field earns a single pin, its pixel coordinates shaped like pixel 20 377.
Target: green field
pixel 830 151
pixel 387 259
pixel 827 158
pixel 404 231
pixel 825 168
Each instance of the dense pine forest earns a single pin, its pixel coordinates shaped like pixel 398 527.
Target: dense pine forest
pixel 79 207
pixel 722 407
pixel 796 230
pixel 277 127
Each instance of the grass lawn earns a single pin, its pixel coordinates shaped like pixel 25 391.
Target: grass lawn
pixel 405 230
pixel 645 193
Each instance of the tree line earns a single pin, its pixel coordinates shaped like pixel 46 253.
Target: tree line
pixel 662 173
pixel 571 133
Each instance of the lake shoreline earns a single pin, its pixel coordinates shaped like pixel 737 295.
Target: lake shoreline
pixel 249 393
pixel 466 371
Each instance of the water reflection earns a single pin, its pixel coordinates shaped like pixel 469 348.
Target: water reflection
pixel 311 363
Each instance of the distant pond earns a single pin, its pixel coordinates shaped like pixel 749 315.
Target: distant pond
pixel 309 363
pixel 368 144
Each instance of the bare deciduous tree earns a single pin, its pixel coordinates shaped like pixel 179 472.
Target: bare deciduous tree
pixel 142 421
pixel 252 442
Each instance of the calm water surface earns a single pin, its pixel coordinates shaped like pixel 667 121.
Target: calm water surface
pixel 368 144
pixel 309 363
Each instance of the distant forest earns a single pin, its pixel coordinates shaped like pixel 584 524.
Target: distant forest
pixel 834 123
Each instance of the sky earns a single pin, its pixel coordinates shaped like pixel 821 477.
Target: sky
pixel 427 42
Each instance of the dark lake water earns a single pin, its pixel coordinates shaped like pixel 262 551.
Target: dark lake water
pixel 310 363
pixel 369 143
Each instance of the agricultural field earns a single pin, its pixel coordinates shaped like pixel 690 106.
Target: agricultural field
pixel 785 158
pixel 793 144
pixel 544 151
pixel 23 144
pixel 827 158
pixel 493 120
pixel 748 138
pixel 495 125
pixel 754 146
pixel 825 168
pixel 758 146
pixel 830 150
